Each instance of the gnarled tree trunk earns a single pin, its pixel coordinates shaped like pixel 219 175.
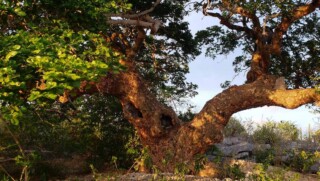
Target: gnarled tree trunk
pixel 172 142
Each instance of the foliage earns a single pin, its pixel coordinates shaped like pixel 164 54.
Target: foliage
pixel 316 136
pixel 288 131
pixel 200 161
pixel 273 132
pixel 186 116
pixel 302 160
pixel 234 128
pixel 97 132
pixel 49 47
pixel 217 152
pixel 300 46
pixel 48 59
pixel 266 133
pixel 260 173
pixel 234 172
pixel 266 157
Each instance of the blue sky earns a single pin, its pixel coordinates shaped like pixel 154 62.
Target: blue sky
pixel 208 74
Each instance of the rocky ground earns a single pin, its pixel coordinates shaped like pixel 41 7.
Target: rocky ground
pixel 168 177
pixel 209 173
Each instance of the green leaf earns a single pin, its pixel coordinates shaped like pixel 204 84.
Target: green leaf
pixel 50 95
pixel 34 95
pixel 10 55
pixel 16 47
pixel 74 76
pixel 19 12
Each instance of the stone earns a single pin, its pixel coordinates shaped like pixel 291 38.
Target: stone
pixel 242 155
pixel 315 167
pixel 231 141
pixel 262 146
pixel 235 149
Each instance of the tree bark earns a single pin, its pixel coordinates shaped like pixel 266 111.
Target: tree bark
pixel 172 143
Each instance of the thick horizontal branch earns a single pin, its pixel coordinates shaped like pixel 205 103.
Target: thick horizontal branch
pixel 292 99
pixel 259 93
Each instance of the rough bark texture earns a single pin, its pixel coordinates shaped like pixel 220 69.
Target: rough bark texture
pixel 171 142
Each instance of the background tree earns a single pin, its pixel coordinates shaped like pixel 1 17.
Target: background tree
pixel 60 50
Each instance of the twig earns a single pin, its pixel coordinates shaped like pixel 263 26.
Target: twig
pixel 6 172
pixel 138 14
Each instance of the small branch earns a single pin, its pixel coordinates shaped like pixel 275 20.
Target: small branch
pixel 265 21
pixel 139 40
pixel 243 12
pixel 132 22
pixel 130 16
pixel 145 22
pixel 296 14
pixel 227 23
pixel 6 172
pixel 16 140
pixel 137 44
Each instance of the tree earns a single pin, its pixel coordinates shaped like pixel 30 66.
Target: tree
pixel 60 50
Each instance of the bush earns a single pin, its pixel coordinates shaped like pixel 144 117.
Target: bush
pixel 266 134
pixel 266 157
pixel 272 132
pixel 92 128
pixel 302 161
pixel 287 131
pixel 234 128
pixel 235 173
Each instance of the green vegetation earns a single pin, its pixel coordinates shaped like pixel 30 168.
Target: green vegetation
pixel 234 128
pixel 87 86
pixel 275 132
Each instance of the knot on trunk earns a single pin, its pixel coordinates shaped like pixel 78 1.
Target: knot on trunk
pixel 166 121
pixel 133 111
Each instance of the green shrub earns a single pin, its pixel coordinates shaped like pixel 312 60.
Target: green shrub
pixel 234 172
pixel 95 130
pixel 287 131
pixel 234 128
pixel 260 173
pixel 273 132
pixel 266 157
pixel 302 161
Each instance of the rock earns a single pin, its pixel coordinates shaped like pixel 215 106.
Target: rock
pixel 233 150
pixel 262 146
pixel 242 155
pixel 163 176
pixel 231 141
pixel 315 167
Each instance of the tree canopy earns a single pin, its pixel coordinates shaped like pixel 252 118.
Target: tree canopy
pixel 55 52
pixel 294 47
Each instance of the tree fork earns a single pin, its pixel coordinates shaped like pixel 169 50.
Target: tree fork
pixel 173 142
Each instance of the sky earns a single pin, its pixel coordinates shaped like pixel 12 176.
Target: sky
pixel 208 74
